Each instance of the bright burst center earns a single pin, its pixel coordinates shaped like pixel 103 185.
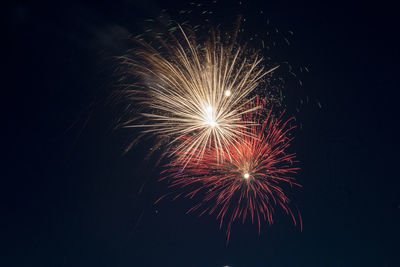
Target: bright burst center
pixel 227 92
pixel 212 123
pixel 246 176
pixel 209 117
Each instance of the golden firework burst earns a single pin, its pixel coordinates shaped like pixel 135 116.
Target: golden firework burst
pixel 193 94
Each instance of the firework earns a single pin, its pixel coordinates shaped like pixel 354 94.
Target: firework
pixel 194 94
pixel 249 183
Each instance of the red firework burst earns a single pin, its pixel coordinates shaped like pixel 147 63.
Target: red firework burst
pixel 248 181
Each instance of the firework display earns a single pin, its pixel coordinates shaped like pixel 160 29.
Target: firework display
pixel 195 94
pixel 248 182
pixel 225 145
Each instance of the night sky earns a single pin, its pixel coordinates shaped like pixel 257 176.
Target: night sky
pixel 70 197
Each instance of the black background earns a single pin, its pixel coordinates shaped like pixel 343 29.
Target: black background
pixel 70 198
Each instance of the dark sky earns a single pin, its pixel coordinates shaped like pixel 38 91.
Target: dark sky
pixel 70 198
